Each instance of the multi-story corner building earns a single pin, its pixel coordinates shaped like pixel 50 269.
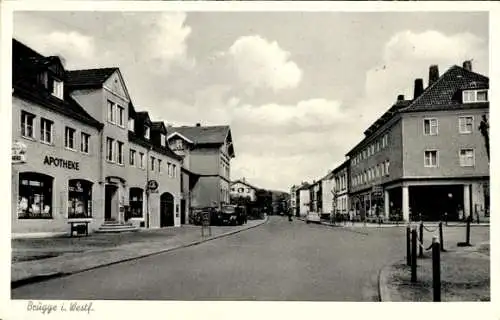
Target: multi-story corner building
pixel 98 155
pixel 341 188
pixel 327 185
pixel 241 188
pixel 55 170
pixel 207 152
pixel 426 156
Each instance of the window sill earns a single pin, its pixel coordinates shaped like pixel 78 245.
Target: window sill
pixel 137 219
pixel 70 149
pixel 90 219
pixel 47 143
pixel 35 218
pixel 465 132
pixel 28 138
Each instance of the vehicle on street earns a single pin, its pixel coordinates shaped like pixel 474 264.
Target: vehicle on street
pixel 313 217
pixel 230 215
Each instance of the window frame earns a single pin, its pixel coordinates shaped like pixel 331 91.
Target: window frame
pixel 131 157
pixel 43 131
pixel 111 117
pixel 460 124
pixel 119 152
pixel 66 139
pixel 147 132
pixel 460 158
pixel 57 88
pixel 110 142
pixel 430 126
pixel 84 137
pixel 152 158
pixel 437 158
pixel 141 160
pixel 28 115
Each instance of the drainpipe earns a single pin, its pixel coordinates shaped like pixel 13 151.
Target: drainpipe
pixel 147 189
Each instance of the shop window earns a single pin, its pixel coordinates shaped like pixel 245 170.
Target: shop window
pixel 79 199
pixel 27 125
pixel 135 202
pixel 35 196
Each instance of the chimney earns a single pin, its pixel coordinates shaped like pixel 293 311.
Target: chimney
pixel 433 74
pixel 467 65
pixel 401 97
pixel 419 88
pixel 198 124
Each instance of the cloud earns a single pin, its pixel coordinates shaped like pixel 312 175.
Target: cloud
pixel 167 40
pixel 263 64
pixel 72 46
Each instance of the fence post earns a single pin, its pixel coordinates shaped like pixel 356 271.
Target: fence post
pixel 441 240
pixel 414 255
pixel 436 270
pixel 408 248
pixel 421 249
pixel 467 236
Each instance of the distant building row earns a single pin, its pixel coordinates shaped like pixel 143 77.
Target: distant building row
pixel 426 157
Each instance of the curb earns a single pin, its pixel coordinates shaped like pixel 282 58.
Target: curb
pixel 48 276
pixel 383 284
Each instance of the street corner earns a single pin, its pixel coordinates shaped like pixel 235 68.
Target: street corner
pixel 387 290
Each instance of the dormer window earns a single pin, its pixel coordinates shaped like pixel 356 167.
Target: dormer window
pixel 178 144
pixel 130 124
pixel 471 96
pixel 146 132
pixel 58 89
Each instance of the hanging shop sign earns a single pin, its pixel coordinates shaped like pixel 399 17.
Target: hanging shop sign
pixel 62 163
pixel 153 185
pixel 18 152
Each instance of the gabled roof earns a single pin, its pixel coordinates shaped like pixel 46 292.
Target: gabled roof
pixel 144 116
pixel 203 134
pixel 89 78
pixel 343 165
pixel 445 93
pixel 27 63
pixel 180 136
pixel 158 126
pixel 245 183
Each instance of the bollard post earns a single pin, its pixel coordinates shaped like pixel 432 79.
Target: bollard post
pixel 436 270
pixel 414 255
pixel 408 248
pixel 421 249
pixel 441 240
pixel 467 236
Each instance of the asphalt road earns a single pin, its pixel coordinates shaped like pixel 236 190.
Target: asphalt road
pixel 277 261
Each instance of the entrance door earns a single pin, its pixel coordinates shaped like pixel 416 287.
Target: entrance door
pixel 110 193
pixel 183 211
pixel 166 210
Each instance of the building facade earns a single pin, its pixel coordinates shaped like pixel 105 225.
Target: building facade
pixel 207 152
pixel 426 157
pixel 241 188
pixel 341 188
pixel 98 155
pixel 327 197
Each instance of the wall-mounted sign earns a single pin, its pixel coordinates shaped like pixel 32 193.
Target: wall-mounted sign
pixel 18 152
pixel 59 162
pixel 152 185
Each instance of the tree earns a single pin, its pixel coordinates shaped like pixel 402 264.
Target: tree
pixel 484 128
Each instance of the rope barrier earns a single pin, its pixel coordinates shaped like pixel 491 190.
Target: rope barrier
pixel 419 243
pixel 428 230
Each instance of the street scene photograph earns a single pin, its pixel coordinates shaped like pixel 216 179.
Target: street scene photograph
pixel 249 156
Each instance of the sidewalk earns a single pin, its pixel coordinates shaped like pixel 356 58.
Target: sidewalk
pixel 38 259
pixel 465 272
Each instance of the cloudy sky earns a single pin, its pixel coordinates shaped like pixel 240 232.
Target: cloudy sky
pixel 298 89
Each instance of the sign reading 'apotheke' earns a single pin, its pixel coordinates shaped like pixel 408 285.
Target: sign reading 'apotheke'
pixel 59 162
